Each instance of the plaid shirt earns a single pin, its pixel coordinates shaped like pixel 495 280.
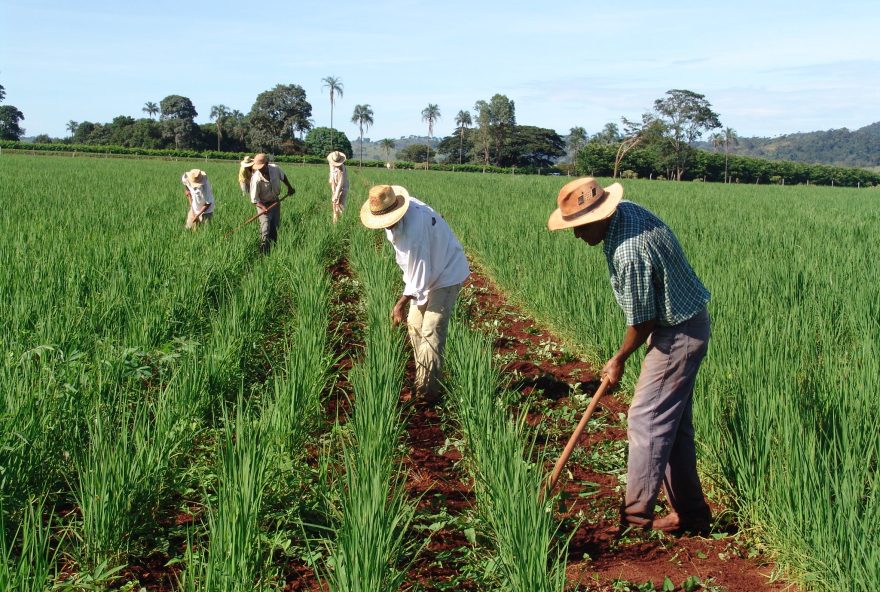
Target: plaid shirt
pixel 650 275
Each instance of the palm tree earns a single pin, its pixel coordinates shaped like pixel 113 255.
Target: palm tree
pixel 730 137
pixel 71 126
pixel 387 146
pixel 363 116
pixel 335 85
pixel 431 113
pixel 462 120
pixel 218 114
pixel 151 109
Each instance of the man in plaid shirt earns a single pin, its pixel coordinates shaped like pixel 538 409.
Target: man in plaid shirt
pixel 664 303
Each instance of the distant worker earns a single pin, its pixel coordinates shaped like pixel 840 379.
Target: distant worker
pixel 265 190
pixel 664 304
pixel 198 192
pixel 338 183
pixel 245 171
pixel 434 267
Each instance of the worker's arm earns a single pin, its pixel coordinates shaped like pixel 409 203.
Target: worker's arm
pixel 633 339
pixel 290 189
pixel 398 312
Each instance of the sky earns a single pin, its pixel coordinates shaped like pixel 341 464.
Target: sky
pixel 768 67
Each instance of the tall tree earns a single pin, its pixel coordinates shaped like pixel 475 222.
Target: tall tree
pixel 649 129
pixel 729 137
pixel 430 114
pixel 10 117
pixel 334 85
pixel 71 126
pixel 387 145
pixel 503 118
pixel 363 116
pixel 277 115
pixel 462 121
pixel 178 115
pixel 686 115
pixel 577 137
pixel 219 113
pixel 610 134
pixel 320 141
pixel 2 93
pixel 484 124
pixel 151 109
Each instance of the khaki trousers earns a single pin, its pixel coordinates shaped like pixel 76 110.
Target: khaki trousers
pixel 660 424
pixel 427 326
pixel 192 221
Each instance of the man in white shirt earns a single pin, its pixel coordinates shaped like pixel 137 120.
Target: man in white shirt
pixel 434 267
pixel 265 188
pixel 200 195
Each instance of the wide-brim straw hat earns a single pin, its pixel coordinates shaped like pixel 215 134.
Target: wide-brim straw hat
pixel 196 177
pixel 260 161
pixel 336 158
pixel 247 161
pixel 584 201
pixel 386 206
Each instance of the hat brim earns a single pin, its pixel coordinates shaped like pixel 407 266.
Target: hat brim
pixel 371 220
pixel 605 210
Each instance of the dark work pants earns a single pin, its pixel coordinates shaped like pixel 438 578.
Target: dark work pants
pixel 661 429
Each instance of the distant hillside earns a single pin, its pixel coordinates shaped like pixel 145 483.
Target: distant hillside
pixel 841 147
pixel 373 150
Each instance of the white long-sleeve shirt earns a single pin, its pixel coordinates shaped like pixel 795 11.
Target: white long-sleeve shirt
pixel 200 195
pixel 427 252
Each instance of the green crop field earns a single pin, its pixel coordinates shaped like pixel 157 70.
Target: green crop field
pixel 163 391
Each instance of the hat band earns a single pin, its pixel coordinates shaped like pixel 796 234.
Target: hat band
pixel 587 209
pixel 384 211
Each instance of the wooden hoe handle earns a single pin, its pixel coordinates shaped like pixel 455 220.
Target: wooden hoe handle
pixel 554 477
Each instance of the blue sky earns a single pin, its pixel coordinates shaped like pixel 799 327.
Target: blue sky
pixel 767 67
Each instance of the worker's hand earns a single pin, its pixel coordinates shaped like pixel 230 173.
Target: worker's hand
pixel 262 210
pixel 398 312
pixel 613 370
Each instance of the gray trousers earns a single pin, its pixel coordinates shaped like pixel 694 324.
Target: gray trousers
pixel 269 226
pixel 427 326
pixel 661 429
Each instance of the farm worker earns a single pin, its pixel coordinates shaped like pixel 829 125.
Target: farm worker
pixel 200 196
pixel 338 182
pixel 245 171
pixel 265 188
pixel 434 267
pixel 664 303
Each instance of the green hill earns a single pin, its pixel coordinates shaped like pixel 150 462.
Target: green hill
pixel 841 147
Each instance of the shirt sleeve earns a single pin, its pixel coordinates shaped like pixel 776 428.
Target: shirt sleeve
pixel 636 292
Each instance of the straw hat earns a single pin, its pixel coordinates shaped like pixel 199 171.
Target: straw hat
pixel 196 177
pixel 247 161
pixel 386 206
pixel 584 201
pixel 260 161
pixel 336 158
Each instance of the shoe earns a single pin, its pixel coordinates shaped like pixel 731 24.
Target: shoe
pixel 675 524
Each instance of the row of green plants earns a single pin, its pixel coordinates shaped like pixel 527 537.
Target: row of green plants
pixel 368 547
pixel 506 469
pixel 598 160
pixel 264 440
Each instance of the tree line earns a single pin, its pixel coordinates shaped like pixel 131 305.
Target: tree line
pixel 662 143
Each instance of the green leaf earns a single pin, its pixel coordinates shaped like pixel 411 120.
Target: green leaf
pixel 668 586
